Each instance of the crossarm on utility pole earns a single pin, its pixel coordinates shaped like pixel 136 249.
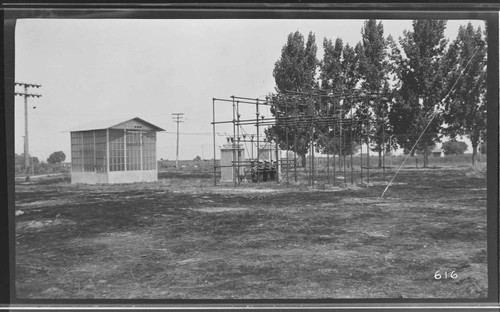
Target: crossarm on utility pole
pixel 177 118
pixel 26 95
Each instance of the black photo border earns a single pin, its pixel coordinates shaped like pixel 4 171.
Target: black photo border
pixel 487 11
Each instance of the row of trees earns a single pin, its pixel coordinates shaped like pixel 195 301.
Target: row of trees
pixel 409 80
pixel 54 159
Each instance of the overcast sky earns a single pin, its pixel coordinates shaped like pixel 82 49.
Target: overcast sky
pixel 108 69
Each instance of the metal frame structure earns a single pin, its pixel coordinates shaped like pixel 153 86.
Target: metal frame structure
pixel 341 120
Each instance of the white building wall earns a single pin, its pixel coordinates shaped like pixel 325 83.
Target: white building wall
pixel 114 177
pixel 228 154
pixel 132 176
pixel 89 177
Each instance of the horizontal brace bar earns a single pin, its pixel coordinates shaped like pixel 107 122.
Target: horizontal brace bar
pixel 28 94
pixel 245 98
pixel 241 102
pixel 302 119
pixel 27 84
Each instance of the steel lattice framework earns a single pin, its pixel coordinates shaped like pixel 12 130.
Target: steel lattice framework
pixel 317 111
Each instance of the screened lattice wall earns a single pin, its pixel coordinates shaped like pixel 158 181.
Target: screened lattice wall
pixel 88 151
pixel 77 151
pixel 116 150
pixel 149 151
pixel 100 150
pixel 133 150
pixel 129 150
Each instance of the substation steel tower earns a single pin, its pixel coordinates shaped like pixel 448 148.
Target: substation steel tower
pixel 298 110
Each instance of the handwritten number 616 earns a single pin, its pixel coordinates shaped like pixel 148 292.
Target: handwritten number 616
pixel 438 276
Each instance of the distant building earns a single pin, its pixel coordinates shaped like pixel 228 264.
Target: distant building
pixel 119 151
pixel 437 152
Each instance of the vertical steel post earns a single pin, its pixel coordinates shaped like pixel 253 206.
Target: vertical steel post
pixel 93 147
pixel 251 147
pixel 351 149
pixel 295 151
pixel 361 157
pixel 328 143
pixel 277 172
pixel 328 163
pixel 383 143
pixel 334 145
pixel 213 137
pixel 308 153
pixel 287 149
pixel 258 141
pixel 233 142
pixel 343 143
pixel 311 105
pixel 238 137
pixel 368 154
pixel 361 125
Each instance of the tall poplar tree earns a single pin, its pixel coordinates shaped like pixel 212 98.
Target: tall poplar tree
pixel 339 75
pixel 421 74
pixel 295 70
pixel 465 109
pixel 374 71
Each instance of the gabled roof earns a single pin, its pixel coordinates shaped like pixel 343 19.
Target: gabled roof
pixel 114 123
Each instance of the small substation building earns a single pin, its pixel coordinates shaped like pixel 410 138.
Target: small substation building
pixel 119 151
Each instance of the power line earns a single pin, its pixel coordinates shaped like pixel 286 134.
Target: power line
pixel 196 133
pixel 189 133
pixel 177 118
pixel 26 94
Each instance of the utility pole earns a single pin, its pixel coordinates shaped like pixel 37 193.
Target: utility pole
pixel 177 118
pixel 26 95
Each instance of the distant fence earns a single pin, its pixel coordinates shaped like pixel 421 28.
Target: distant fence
pixel 196 165
pixel 44 168
pixel 362 169
pixel 320 163
pixel 416 161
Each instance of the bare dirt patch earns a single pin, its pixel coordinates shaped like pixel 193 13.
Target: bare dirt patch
pixel 42 203
pixel 35 224
pixel 182 238
pixel 220 209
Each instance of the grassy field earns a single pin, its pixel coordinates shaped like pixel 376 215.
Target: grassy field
pixel 181 237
